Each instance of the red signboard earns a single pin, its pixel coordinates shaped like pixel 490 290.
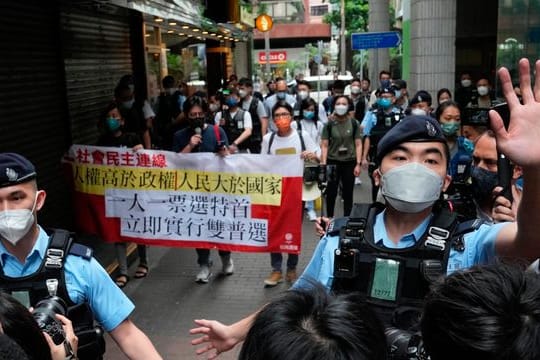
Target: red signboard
pixel 276 57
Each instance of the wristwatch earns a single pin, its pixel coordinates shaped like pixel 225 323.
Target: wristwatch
pixel 70 354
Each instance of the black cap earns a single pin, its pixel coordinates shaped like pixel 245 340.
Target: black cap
pixel 15 169
pixel 417 128
pixel 420 96
pixel 385 90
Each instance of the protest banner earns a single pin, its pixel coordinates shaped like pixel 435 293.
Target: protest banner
pixel 244 202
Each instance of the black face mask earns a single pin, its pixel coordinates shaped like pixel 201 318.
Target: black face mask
pixel 483 183
pixel 196 123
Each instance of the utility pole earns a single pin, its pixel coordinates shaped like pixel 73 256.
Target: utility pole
pixel 342 40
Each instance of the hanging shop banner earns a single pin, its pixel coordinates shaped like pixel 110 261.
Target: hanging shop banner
pixel 244 202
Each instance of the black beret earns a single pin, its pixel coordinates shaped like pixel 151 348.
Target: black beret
pixel 417 128
pixel 15 169
pixel 420 96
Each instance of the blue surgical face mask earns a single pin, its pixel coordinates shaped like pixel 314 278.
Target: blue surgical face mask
pixel 309 115
pixel 113 124
pixel 450 128
pixel 231 102
pixel 384 103
pixel 281 95
pixel 397 93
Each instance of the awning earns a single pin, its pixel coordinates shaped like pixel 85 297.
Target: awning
pixel 184 11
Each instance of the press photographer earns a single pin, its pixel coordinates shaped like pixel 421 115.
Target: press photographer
pixel 51 337
pixel 414 239
pixel 37 264
pixel 476 183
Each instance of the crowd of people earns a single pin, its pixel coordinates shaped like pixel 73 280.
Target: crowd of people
pixel 432 258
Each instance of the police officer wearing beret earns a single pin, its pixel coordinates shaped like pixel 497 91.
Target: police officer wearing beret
pixel 412 173
pixel 24 252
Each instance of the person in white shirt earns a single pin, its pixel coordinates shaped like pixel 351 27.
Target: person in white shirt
pixel 287 141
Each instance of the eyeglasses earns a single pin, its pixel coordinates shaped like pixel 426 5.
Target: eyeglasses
pixel 196 115
pixel 282 116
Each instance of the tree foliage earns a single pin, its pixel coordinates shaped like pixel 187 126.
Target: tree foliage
pixel 356 15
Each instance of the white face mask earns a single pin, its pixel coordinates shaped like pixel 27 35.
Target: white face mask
pixel 128 104
pixel 341 109
pixel 466 82
pixel 482 90
pixel 15 224
pixel 242 93
pixel 417 111
pixel 355 90
pixel 171 91
pixel 411 188
pixel 303 95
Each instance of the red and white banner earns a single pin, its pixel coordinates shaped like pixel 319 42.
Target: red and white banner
pixel 276 57
pixel 242 202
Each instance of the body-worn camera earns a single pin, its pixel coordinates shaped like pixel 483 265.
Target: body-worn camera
pixel 44 314
pixel 346 259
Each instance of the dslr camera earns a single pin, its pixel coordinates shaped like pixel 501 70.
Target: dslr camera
pixel 44 314
pixel 404 345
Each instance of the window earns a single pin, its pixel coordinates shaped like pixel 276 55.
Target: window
pixel 319 10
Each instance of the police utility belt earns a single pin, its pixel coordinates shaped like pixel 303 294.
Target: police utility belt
pixel 393 279
pixel 29 290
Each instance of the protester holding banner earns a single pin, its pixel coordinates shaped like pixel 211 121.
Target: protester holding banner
pixel 112 124
pixel 287 141
pixel 202 137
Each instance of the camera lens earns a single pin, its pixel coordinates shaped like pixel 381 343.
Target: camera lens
pixel 398 342
pixel 44 314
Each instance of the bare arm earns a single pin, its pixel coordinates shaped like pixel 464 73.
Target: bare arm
pixel 520 144
pixel 133 342
pixel 358 148
pixel 324 151
pixel 264 125
pixel 220 337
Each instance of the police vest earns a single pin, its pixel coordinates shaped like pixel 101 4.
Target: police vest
pixel 394 281
pixel 385 121
pixel 234 127
pixel 91 341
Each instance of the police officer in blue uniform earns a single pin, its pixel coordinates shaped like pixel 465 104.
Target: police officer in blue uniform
pixel 27 260
pixel 413 160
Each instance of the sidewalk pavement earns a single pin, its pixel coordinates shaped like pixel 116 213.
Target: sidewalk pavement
pixel 168 299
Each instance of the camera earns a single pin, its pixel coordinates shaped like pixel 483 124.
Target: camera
pixel 346 257
pixel 44 314
pixel 404 345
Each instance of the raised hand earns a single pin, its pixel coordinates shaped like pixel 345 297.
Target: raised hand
pixel 520 142
pixel 216 337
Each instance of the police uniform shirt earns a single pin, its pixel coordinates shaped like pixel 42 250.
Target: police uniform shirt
pixel 479 249
pixel 370 120
pixel 86 280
